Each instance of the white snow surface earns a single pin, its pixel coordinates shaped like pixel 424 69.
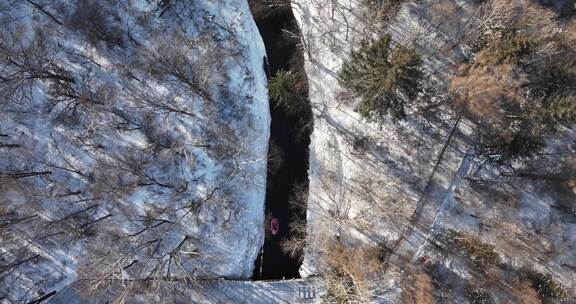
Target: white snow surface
pixel 143 175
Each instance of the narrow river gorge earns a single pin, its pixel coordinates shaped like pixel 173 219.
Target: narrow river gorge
pixel 289 141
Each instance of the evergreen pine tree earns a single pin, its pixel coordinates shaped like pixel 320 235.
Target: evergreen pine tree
pixel 385 78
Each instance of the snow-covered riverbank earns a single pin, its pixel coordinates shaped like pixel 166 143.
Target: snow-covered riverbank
pixel 138 147
pixel 406 184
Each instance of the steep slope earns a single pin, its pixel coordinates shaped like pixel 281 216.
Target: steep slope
pixel 133 143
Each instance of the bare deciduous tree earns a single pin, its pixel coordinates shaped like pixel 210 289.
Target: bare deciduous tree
pixel 25 60
pixel 96 23
pixel 171 61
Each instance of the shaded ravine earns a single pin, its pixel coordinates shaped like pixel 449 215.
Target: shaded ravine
pixel 283 54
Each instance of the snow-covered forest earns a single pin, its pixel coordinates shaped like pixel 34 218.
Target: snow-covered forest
pixel 442 156
pixel 133 143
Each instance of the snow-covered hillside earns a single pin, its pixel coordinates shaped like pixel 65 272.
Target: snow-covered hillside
pixel 133 142
pixel 412 185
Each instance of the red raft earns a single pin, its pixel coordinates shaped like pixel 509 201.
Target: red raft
pixel 274 226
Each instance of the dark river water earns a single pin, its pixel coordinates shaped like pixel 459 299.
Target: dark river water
pixel 281 50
